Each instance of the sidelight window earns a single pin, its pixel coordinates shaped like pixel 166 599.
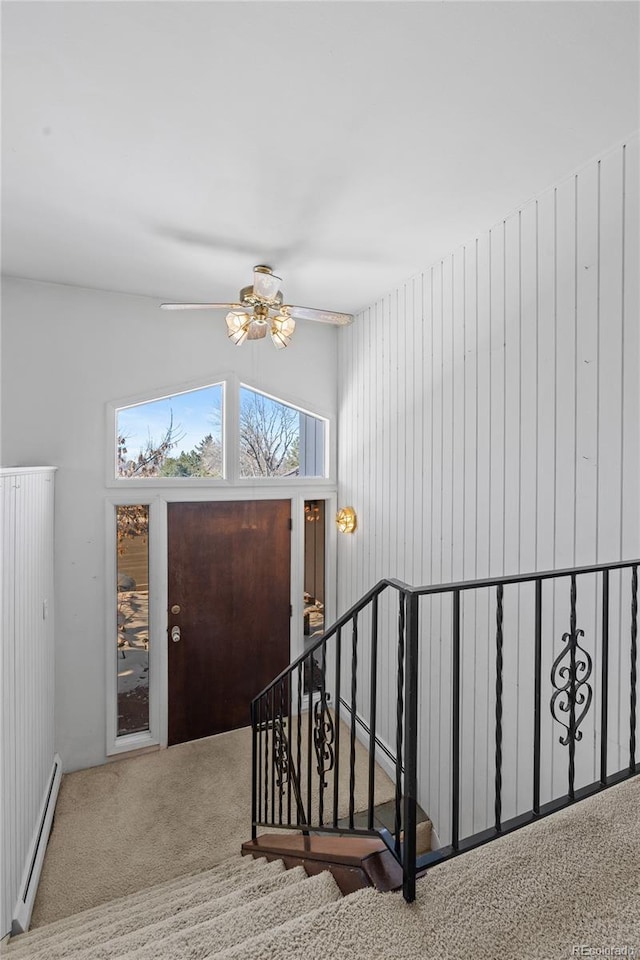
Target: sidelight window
pixel 314 583
pixel 132 650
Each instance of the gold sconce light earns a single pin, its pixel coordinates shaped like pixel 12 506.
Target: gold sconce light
pixel 346 520
pixel 312 511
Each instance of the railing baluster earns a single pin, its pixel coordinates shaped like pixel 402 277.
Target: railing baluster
pixel 259 784
pixel 372 709
pixel 309 733
pixel 274 766
pixel 399 719
pixel 299 737
pixel 352 742
pixel 254 772
pixel 282 754
pixel 266 758
pixel 455 773
pixel 411 750
pixel 634 669
pixel 336 769
pixel 292 773
pixel 573 625
pixel 537 698
pixel 604 706
pixel 320 749
pixel 498 744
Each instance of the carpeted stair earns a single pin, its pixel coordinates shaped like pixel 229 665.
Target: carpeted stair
pixel 201 915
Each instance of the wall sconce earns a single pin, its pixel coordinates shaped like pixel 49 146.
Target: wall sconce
pixel 312 511
pixel 346 520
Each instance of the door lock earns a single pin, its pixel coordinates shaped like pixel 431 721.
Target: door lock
pixel 175 634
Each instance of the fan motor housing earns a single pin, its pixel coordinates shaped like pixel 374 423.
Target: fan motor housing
pixel 248 296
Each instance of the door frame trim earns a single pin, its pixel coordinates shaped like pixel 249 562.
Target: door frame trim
pixel 158 589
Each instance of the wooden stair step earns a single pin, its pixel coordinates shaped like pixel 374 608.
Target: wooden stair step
pixel 354 862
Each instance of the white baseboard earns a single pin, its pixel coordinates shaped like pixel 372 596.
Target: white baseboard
pixel 35 857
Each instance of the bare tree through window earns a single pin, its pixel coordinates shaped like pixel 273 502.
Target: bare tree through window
pixel 269 437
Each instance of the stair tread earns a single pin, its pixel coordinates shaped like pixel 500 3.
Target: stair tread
pixel 306 937
pixel 234 927
pixel 122 934
pixel 232 872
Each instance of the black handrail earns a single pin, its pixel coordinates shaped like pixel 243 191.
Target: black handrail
pixel 279 745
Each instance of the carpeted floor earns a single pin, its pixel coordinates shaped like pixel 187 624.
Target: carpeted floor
pixel 564 887
pixel 127 825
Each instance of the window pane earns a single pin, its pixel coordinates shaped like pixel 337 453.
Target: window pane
pixel 277 440
pixel 178 436
pixel 314 564
pixel 133 618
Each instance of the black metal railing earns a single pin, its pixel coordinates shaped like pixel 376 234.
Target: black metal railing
pixel 299 780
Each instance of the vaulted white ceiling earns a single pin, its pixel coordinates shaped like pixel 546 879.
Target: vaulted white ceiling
pixel 164 148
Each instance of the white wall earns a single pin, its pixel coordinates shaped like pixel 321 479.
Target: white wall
pixel 488 424
pixel 67 351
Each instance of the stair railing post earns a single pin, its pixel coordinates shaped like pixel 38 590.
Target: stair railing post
pixel 254 771
pixel 411 750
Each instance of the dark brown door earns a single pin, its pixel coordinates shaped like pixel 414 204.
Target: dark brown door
pixel 229 573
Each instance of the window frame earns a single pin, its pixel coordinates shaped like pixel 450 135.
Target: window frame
pixel 292 406
pixel 231 384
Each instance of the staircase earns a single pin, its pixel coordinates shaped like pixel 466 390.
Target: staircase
pixel 238 909
pixel 568 880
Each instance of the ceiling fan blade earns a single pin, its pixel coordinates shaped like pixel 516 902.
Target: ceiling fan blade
pixel 200 306
pixel 323 316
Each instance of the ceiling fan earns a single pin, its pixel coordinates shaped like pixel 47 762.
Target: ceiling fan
pixel 260 311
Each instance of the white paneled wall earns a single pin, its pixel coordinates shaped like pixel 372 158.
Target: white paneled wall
pixel 27 737
pixel 488 425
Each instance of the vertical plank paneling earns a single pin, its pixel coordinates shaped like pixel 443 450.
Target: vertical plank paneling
pixel 27 669
pixel 630 506
pixel 546 447
pixel 488 424
pixel 482 730
pixel 587 426
pixel 610 381
pixel 631 346
pixel 497 410
pixel 587 320
pixel 565 452
pixel 468 600
pixel 527 456
pixel 512 494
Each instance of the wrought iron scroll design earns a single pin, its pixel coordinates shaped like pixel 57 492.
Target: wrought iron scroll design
pixel 280 752
pixel 570 680
pixel 323 737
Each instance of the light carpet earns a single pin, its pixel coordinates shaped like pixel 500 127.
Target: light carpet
pixel 566 886
pixel 127 825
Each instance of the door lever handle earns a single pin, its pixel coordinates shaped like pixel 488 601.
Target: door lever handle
pixel 175 634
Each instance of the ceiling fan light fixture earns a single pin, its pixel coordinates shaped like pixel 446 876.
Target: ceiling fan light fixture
pixel 265 284
pixel 282 328
pixel 284 323
pixel 260 310
pixel 238 325
pixel 257 329
pixel 279 340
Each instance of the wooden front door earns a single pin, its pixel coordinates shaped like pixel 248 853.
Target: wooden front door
pixel 229 575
